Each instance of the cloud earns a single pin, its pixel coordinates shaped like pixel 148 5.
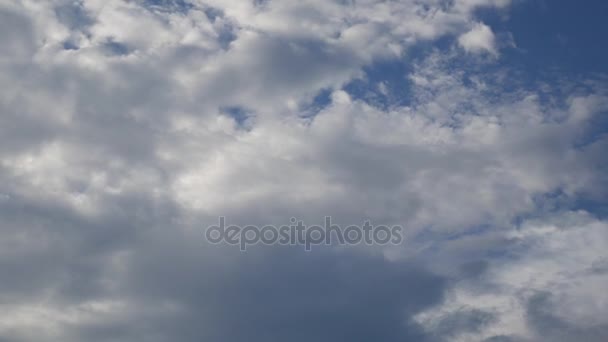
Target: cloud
pixel 479 39
pixel 127 127
pixel 530 291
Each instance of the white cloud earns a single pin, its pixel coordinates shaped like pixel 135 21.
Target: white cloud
pixel 479 39
pixel 552 257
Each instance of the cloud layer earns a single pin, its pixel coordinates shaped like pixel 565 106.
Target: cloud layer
pixel 127 127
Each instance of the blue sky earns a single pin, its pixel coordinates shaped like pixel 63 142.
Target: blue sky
pixel 127 128
pixel 560 36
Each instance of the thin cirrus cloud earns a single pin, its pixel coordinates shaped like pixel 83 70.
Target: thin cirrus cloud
pixel 127 127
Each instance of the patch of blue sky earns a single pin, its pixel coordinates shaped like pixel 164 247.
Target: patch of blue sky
pixel 240 115
pixel 116 48
pixel 321 100
pixel 384 84
pixel 68 45
pixel 556 35
pixel 596 207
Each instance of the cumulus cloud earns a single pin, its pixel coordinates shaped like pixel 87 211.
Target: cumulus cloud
pixel 127 127
pixel 545 286
pixel 479 39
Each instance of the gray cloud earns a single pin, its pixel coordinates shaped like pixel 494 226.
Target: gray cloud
pixel 547 325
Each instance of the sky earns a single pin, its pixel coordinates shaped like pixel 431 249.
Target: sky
pixel 128 127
